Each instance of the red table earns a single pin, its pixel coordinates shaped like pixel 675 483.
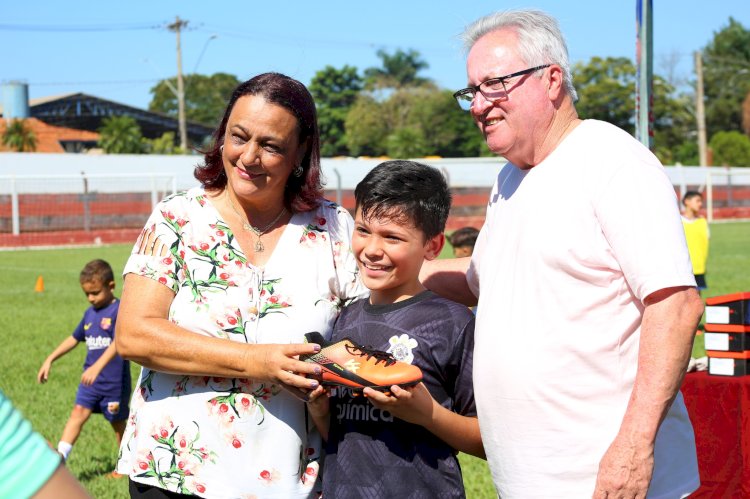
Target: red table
pixel 719 409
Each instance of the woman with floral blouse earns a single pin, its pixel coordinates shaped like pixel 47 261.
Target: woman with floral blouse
pixel 220 289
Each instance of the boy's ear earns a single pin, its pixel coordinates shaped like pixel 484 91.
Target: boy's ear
pixel 434 246
pixel 111 284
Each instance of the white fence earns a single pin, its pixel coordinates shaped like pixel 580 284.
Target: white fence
pixel 342 173
pixel 87 175
pixel 720 185
pixel 51 202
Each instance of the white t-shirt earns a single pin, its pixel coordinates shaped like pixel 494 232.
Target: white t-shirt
pixel 568 252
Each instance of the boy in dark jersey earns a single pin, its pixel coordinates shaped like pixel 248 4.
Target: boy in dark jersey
pixel 402 444
pixel 105 382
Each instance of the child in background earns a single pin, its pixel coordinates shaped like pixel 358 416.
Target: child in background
pixel 696 235
pixel 402 443
pixel 463 241
pixel 105 382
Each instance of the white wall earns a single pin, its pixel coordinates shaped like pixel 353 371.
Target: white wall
pixel 464 172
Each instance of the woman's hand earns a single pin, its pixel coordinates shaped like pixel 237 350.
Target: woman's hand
pixel 280 364
pixel 147 336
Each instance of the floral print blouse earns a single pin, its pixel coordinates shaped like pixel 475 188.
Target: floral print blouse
pixel 222 437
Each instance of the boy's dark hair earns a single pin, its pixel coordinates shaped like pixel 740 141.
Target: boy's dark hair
pixel 691 195
pixel 465 236
pixel 97 270
pixel 405 191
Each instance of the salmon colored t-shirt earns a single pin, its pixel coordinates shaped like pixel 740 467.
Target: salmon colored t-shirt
pixel 568 252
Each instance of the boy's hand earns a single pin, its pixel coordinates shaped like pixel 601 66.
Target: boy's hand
pixel 413 404
pixel 318 403
pixel 89 376
pixel 43 373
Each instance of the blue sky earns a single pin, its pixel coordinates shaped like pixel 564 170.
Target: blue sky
pixel 119 50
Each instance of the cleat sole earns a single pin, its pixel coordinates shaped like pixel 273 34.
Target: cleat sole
pixel 357 390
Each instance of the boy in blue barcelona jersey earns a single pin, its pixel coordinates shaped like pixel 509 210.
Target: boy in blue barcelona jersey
pixel 105 382
pixel 403 443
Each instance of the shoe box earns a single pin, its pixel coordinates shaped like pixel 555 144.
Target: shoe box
pixel 728 309
pixel 727 334
pixel 728 363
pixel 727 337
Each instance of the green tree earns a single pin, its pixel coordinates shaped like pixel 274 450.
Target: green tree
pixel 413 122
pixel 366 129
pixel 334 91
pixel 686 153
pixel 726 77
pixel 206 97
pixel 19 136
pixel 406 142
pixel 161 145
pixel 120 135
pixel 606 90
pixel 674 124
pixel 730 148
pixel 449 131
pixel 398 70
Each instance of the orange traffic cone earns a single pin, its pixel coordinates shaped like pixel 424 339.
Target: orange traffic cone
pixel 39 284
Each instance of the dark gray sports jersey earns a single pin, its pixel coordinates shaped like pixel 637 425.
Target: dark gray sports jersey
pixel 371 454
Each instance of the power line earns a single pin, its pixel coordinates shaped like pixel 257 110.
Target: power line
pixel 306 41
pixel 104 82
pixel 79 28
pixel 229 32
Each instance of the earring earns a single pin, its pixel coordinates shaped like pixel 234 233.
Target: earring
pixel 298 171
pixel 221 149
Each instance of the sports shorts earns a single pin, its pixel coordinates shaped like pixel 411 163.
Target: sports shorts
pixel 700 281
pixel 112 402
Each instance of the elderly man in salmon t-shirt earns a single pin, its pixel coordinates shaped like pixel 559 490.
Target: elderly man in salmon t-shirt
pixel 587 302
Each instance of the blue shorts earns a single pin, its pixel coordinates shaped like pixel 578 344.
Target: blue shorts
pixel 112 403
pixel 700 281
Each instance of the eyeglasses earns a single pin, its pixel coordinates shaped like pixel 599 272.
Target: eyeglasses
pixel 492 89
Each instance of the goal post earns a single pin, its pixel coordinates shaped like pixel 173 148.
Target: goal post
pixel 43 204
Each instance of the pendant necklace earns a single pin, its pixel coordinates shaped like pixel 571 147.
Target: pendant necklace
pixel 258 231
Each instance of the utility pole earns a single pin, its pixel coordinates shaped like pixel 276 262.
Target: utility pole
pixel 700 114
pixel 644 22
pixel 182 121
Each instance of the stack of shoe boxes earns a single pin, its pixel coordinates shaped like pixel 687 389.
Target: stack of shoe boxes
pixel 728 334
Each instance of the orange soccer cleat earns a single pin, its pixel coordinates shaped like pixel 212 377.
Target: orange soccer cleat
pixel 345 363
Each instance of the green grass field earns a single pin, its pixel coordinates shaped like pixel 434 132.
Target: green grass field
pixel 33 324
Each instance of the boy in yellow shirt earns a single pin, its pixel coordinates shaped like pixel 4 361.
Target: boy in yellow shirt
pixel 696 234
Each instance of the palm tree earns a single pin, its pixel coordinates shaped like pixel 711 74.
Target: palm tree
pixel 120 135
pixel 19 136
pixel 399 70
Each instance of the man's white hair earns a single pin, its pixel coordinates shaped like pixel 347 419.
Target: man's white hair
pixel 540 40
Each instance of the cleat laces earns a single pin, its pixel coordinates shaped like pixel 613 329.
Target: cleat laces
pixel 368 351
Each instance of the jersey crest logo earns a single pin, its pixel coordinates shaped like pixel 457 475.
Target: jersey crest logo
pixel 352 365
pixel 106 323
pixel 402 348
pixel 86 326
pixel 113 407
